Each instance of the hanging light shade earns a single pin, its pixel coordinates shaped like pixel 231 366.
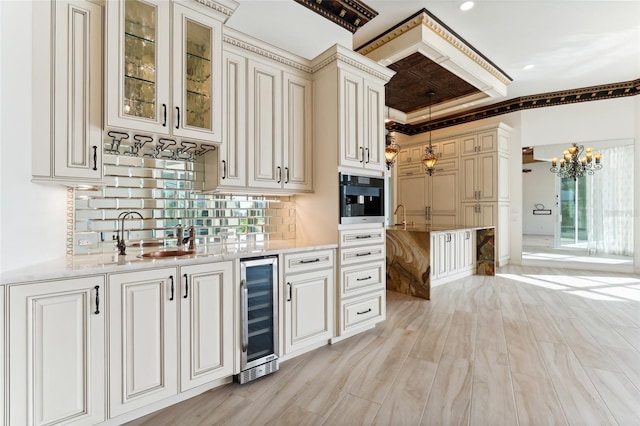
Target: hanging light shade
pixel 429 159
pixel 391 150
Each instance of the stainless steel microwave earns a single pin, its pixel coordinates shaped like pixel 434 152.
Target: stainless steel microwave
pixel 361 199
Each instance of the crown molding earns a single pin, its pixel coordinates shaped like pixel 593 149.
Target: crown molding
pixel 426 19
pixel 349 14
pixel 585 94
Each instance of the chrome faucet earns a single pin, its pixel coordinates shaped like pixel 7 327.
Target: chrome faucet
pixel 179 234
pixel 191 239
pixel 404 217
pixel 120 236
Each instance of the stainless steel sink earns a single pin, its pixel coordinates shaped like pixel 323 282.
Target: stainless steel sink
pixel 168 253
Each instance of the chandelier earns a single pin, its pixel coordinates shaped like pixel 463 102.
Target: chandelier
pixel 429 159
pixel 573 165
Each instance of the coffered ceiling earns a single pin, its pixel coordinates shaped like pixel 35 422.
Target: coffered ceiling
pixel 574 46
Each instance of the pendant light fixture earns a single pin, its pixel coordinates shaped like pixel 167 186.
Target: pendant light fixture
pixel 429 159
pixel 391 148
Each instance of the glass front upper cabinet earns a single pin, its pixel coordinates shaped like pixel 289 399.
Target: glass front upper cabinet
pixel 164 69
pixel 197 92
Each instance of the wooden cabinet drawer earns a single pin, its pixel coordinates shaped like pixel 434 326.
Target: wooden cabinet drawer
pixel 307 261
pixel 362 236
pixel 363 278
pixel 370 309
pixel 411 169
pixel 351 256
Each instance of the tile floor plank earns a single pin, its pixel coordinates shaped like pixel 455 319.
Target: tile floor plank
pixel 515 349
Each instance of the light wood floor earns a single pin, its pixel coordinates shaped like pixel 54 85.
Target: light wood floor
pixel 530 346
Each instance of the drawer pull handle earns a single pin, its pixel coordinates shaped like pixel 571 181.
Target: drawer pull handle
pixel 186 286
pixel 95 157
pixel 363 254
pixel 360 237
pixel 97 288
pixel 310 261
pixel 364 279
pixel 364 312
pixel 289 292
pixel 172 287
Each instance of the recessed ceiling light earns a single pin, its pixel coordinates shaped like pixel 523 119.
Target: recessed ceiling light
pixel 528 67
pixel 466 5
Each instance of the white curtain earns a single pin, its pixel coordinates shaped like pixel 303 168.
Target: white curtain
pixel 610 203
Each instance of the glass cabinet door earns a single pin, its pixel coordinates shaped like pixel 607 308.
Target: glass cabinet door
pixel 197 74
pixel 140 28
pixel 138 70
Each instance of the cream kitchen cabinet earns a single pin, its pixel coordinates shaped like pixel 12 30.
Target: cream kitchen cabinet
pixel 361 121
pixel 361 298
pixel 444 254
pixel 466 250
pixel 226 168
pixel 410 156
pixel 479 177
pixel 479 214
pixel 143 338
pixel 429 199
pixel 446 149
pixel 206 323
pixel 164 67
pixel 56 352
pixel 308 298
pixel 279 129
pixel 67 88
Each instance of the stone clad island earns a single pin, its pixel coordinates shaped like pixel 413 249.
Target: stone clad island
pixel 419 257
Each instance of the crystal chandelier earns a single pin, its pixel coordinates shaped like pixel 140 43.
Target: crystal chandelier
pixel 429 159
pixel 573 165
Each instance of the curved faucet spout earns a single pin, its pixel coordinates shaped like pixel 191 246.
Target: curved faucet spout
pixel 122 247
pixel 404 217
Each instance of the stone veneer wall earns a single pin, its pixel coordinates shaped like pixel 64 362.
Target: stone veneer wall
pixel 165 192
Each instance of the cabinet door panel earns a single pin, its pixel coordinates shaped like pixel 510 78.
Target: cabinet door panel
pixel 297 118
pixel 444 196
pixel 56 352
pixel 374 131
pixel 468 172
pixel 469 144
pixel 309 310
pixel 197 65
pixel 138 81
pixel 232 167
pixel 206 322
pixel 265 127
pixel 143 338
pixel 487 142
pixel 410 155
pixel 412 193
pixel 351 125
pixel 78 90
pixel 486 180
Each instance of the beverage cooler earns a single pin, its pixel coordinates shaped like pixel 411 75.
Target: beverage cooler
pixel 259 321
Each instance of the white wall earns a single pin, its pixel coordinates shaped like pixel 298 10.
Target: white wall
pixel 538 187
pixel 32 217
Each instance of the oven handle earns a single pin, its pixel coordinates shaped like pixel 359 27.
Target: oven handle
pixel 245 314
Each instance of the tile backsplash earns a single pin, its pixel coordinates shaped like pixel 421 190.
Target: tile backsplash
pixel 165 192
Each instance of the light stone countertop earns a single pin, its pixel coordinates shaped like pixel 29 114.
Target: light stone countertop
pixel 439 228
pixel 94 264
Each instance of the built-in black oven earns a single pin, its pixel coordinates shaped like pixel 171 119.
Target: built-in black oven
pixel 361 199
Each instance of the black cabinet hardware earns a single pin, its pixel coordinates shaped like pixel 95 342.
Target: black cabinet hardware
pixel 172 288
pixel 97 288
